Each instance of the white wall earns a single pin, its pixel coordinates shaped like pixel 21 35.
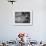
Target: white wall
pixel 9 31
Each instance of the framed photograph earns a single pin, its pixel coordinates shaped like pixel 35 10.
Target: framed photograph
pixel 23 18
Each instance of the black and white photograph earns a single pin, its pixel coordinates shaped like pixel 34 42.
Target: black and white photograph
pixel 23 18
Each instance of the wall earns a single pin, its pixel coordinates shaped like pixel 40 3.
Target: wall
pixel 9 31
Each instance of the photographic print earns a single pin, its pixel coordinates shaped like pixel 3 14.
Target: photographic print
pixel 23 18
